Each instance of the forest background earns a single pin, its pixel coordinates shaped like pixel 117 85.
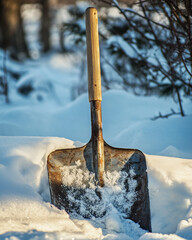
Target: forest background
pixel 146 46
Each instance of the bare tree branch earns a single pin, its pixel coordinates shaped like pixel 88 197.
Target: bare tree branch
pixel 165 115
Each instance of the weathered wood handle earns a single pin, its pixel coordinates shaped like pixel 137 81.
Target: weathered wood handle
pixel 93 55
pixel 94 88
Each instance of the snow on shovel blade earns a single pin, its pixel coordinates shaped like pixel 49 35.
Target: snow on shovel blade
pixel 74 188
pixel 96 179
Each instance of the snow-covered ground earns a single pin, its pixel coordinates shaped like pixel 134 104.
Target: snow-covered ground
pixel 30 130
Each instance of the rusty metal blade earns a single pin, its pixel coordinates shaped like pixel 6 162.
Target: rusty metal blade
pixel 74 188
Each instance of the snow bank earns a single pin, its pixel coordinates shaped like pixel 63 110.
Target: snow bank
pixel 27 214
pixel 170 191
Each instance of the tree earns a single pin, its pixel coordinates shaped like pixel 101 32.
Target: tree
pixel 12 35
pixel 45 25
pixel 159 59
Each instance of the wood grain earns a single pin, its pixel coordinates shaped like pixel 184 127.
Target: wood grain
pixel 93 55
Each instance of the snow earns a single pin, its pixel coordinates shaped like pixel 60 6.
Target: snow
pixel 30 130
pixel 96 201
pixel 26 212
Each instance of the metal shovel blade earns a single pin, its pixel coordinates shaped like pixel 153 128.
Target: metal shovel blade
pixel 72 183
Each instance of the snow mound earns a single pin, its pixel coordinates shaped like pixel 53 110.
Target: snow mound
pixel 26 212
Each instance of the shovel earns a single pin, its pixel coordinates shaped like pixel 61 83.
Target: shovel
pixel 96 179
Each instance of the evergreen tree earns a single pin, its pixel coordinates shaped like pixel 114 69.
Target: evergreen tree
pixel 152 46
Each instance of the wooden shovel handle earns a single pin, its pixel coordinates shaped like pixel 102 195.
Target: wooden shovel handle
pixel 94 88
pixel 93 55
